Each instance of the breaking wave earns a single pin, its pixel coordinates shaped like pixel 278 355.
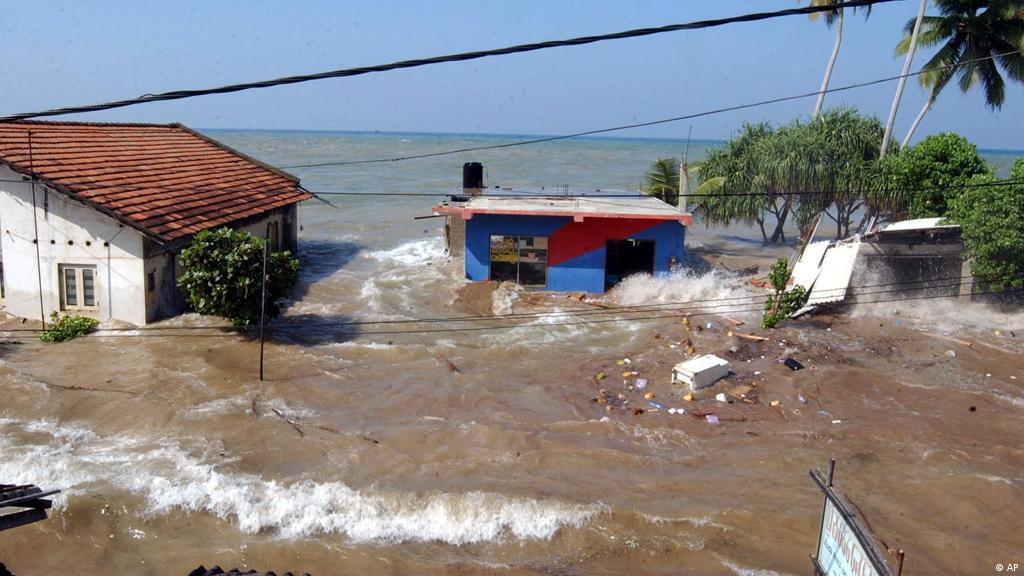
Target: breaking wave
pixel 170 478
pixel 412 253
pixel 683 286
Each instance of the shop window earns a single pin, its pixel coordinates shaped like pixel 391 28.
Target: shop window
pixel 521 259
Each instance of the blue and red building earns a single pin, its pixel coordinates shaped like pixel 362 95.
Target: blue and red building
pixel 586 243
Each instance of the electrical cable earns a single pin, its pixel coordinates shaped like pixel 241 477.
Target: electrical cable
pixel 592 197
pixel 460 57
pixel 651 122
pixel 701 307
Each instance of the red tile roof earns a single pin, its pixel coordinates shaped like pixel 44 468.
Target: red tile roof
pixel 162 179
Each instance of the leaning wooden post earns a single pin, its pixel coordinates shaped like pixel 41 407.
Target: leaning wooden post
pixel 263 294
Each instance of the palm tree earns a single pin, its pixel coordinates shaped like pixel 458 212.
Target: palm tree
pixel 663 180
pixel 903 79
pixel 978 38
pixel 832 17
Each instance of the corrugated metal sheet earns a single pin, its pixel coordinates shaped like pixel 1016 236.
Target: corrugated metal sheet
pixel 834 276
pixel 805 272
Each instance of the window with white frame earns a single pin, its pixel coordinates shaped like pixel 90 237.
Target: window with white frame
pixel 77 287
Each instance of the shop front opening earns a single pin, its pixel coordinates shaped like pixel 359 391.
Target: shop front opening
pixel 625 258
pixel 520 259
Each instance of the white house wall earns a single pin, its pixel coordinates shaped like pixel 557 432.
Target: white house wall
pixel 69 233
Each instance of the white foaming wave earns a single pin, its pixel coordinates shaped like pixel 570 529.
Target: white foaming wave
pixel 684 286
pixel 170 478
pixel 504 297
pixel 244 404
pixel 741 571
pixel 413 253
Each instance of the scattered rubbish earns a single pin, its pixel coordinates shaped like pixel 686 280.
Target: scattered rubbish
pixel 688 397
pixel 754 337
pixel 775 403
pixel 712 419
pixel 292 422
pixel 734 322
pixel 638 411
pixel 792 364
pixel 641 383
pixel 649 396
pixel 951 353
pixel 685 322
pixel 837 421
pixel 620 362
pixel 605 419
pixel 601 375
pixel 657 405
pixel 448 363
pixel 801 398
pixel 629 373
pixel 701 372
pixel 973 408
pixel 721 397
pixel 370 440
pixel 899 322
pixel 626 361
pixel 709 325
pixel 677 411
pixel 988 375
pixel 740 391
pixel 758 373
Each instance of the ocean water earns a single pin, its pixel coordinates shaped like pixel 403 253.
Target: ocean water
pixel 478 447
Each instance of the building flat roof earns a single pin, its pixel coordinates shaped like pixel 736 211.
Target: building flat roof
pixel 579 208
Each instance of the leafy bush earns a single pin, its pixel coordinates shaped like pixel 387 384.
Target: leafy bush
pixel 783 303
pixel 222 275
pixel 991 220
pixel 932 173
pixel 67 327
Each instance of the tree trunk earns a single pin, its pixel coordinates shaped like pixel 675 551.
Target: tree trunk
pixel 780 223
pixel 831 64
pixel 903 80
pixel 764 235
pixel 920 116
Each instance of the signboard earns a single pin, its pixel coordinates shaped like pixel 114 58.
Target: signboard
pixel 840 553
pixel 845 547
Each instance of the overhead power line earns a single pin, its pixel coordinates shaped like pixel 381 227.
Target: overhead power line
pixel 715 306
pixel 553 194
pixel 710 112
pixel 459 57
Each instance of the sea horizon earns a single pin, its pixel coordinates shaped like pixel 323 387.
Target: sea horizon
pixel 694 142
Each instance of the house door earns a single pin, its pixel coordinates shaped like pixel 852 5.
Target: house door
pixel 627 257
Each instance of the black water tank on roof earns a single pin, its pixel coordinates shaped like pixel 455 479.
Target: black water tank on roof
pixel 472 175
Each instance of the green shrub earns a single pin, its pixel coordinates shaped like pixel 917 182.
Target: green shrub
pixel 991 220
pixel 222 275
pixel 65 327
pixel 931 174
pixel 782 303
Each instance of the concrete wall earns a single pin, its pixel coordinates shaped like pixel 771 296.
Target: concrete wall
pixel 576 250
pixel 287 223
pixel 69 233
pixel 73 233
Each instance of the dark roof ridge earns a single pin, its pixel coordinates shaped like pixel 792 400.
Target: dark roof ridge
pixel 91 123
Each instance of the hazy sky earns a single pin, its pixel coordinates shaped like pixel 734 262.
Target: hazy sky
pixel 63 53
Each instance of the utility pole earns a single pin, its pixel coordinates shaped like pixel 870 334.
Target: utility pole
pixel 263 294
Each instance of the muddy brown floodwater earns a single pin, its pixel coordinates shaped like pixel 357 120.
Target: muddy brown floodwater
pixel 462 454
pixel 477 447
